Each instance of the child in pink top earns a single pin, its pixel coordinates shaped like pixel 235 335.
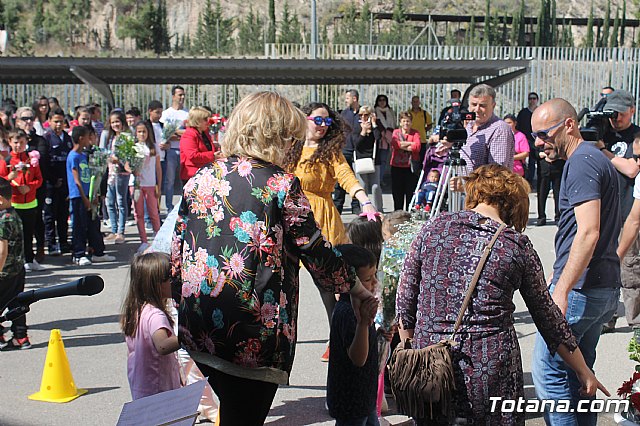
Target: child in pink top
pixel 521 147
pixel 152 366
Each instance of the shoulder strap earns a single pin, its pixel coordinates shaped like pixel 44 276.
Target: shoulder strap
pixel 474 280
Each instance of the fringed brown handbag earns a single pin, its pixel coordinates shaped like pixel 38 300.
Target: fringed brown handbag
pixel 422 380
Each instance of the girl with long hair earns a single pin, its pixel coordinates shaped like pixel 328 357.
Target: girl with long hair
pixel 319 163
pixel 150 179
pixel 152 367
pixel 118 180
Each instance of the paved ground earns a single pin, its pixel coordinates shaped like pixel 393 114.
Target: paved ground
pixel 97 353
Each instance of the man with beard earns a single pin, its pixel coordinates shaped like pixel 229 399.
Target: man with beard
pixel 586 274
pixel 618 147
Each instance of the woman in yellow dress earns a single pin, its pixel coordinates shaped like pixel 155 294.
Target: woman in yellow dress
pixel 318 163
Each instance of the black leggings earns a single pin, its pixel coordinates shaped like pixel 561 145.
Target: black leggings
pixel 28 218
pixel 403 184
pixel 235 392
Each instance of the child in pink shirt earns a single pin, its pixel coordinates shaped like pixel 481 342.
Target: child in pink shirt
pixel 152 366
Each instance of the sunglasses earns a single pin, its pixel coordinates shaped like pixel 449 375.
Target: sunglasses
pixel 635 157
pixel 328 121
pixel 27 118
pixel 543 135
pixel 533 99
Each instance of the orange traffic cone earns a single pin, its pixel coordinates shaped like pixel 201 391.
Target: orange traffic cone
pixel 57 382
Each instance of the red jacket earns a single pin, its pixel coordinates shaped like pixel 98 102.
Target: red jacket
pixel 31 176
pixel 194 153
pixel 400 157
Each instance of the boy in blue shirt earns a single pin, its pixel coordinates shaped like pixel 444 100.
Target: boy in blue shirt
pixel 79 182
pixel 352 383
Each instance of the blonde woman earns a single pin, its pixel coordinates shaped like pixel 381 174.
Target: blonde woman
pixel 196 146
pixel 244 226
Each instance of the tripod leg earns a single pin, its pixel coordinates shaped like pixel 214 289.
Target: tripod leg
pixel 414 198
pixel 443 185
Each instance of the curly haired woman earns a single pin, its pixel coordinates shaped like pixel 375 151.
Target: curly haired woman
pixel 434 279
pixel 318 163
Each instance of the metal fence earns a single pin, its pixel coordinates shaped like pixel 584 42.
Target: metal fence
pixel 576 74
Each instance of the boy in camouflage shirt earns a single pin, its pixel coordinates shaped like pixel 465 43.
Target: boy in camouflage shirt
pixel 12 273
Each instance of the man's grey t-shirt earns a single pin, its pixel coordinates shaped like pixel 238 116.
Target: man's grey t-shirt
pixel 589 175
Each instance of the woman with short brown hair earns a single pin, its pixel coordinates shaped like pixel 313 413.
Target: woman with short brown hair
pixel 434 280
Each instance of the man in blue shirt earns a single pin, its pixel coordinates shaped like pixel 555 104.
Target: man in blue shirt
pixel 586 274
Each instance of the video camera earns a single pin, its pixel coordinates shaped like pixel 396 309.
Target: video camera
pixel 598 124
pixel 452 126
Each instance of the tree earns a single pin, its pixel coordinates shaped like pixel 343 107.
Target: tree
pixel 271 32
pixel 522 30
pixel 613 41
pixel 138 25
pixel 250 36
pixel 64 20
pixel 553 41
pixel 398 32
pixel 605 26
pixel 38 22
pixel 290 29
pixel 588 40
pixel 106 39
pixel 10 14
pixel 21 43
pixel 160 40
pixel 623 22
pixel 353 27
pixel 213 36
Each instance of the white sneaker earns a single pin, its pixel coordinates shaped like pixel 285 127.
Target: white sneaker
pixel 148 226
pixel 83 261
pixel 131 223
pixel 143 247
pixel 103 258
pixel 27 267
pixel 35 266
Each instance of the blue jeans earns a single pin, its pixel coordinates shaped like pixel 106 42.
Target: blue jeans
pixel 116 203
pixel 172 164
pixel 370 420
pixel 587 310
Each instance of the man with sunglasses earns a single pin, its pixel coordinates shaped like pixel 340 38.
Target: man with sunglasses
pixel 585 283
pixel 524 125
pixel 351 134
pixel 618 147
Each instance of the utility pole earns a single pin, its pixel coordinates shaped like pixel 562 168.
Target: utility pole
pixel 314 43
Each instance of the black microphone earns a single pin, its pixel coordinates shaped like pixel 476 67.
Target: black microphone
pixel 86 286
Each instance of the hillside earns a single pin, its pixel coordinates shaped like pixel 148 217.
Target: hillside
pixel 101 21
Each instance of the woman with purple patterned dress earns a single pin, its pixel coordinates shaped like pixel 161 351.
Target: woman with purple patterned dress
pixel 436 273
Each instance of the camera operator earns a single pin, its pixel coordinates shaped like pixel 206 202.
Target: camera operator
pixel 489 139
pixel 617 145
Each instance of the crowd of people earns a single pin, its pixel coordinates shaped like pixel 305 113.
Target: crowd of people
pixel 267 198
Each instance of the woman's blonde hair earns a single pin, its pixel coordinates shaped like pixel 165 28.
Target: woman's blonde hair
pixel 196 115
pixel 262 126
pixel 365 109
pixel 501 188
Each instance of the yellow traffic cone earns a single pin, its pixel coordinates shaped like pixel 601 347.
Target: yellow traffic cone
pixel 57 382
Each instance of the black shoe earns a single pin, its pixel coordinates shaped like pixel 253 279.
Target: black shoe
pixel 65 248
pixel 610 326
pixel 541 222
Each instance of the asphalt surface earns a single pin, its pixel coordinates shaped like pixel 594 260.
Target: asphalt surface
pixel 97 354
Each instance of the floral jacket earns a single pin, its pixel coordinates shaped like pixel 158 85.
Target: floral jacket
pixel 242 229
